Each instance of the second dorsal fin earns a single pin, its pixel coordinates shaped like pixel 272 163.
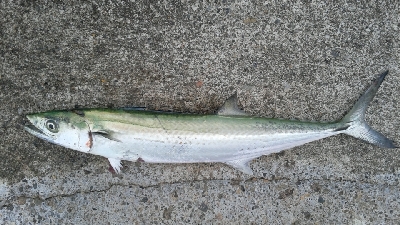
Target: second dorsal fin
pixel 230 108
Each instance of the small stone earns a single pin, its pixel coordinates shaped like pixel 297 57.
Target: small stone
pixel 203 207
pixel 21 200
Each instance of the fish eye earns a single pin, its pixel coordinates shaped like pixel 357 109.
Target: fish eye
pixel 52 126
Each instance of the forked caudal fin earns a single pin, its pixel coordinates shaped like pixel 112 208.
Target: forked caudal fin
pixel 354 122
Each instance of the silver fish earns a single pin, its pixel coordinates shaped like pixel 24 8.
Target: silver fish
pixel 231 136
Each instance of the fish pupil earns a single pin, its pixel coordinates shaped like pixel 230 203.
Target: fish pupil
pixel 52 126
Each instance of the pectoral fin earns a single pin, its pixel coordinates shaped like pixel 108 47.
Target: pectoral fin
pixel 242 165
pixel 230 108
pixel 106 134
pixel 115 164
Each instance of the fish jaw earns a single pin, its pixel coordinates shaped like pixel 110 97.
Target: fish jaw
pixel 38 133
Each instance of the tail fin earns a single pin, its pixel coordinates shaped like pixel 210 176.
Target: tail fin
pixel 354 122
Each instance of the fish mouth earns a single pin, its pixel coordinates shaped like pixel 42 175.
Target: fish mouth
pixel 32 129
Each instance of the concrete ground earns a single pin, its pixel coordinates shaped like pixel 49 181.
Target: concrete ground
pixel 294 60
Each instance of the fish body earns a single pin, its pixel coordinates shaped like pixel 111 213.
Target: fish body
pixel 230 137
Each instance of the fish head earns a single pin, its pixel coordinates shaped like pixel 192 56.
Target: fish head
pixel 65 128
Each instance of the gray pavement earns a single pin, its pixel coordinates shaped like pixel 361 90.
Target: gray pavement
pixel 293 60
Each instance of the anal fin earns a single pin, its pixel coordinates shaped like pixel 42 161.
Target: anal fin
pixel 115 164
pixel 242 165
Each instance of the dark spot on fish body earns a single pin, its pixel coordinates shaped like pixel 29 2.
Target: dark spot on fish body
pixel 139 160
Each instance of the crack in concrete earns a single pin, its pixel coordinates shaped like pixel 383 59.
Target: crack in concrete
pixel 9 203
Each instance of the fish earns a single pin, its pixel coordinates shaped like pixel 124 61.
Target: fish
pixel 230 136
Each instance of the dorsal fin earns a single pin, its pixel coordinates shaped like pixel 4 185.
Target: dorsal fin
pixel 230 108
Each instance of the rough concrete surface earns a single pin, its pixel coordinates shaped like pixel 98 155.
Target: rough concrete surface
pixel 304 60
